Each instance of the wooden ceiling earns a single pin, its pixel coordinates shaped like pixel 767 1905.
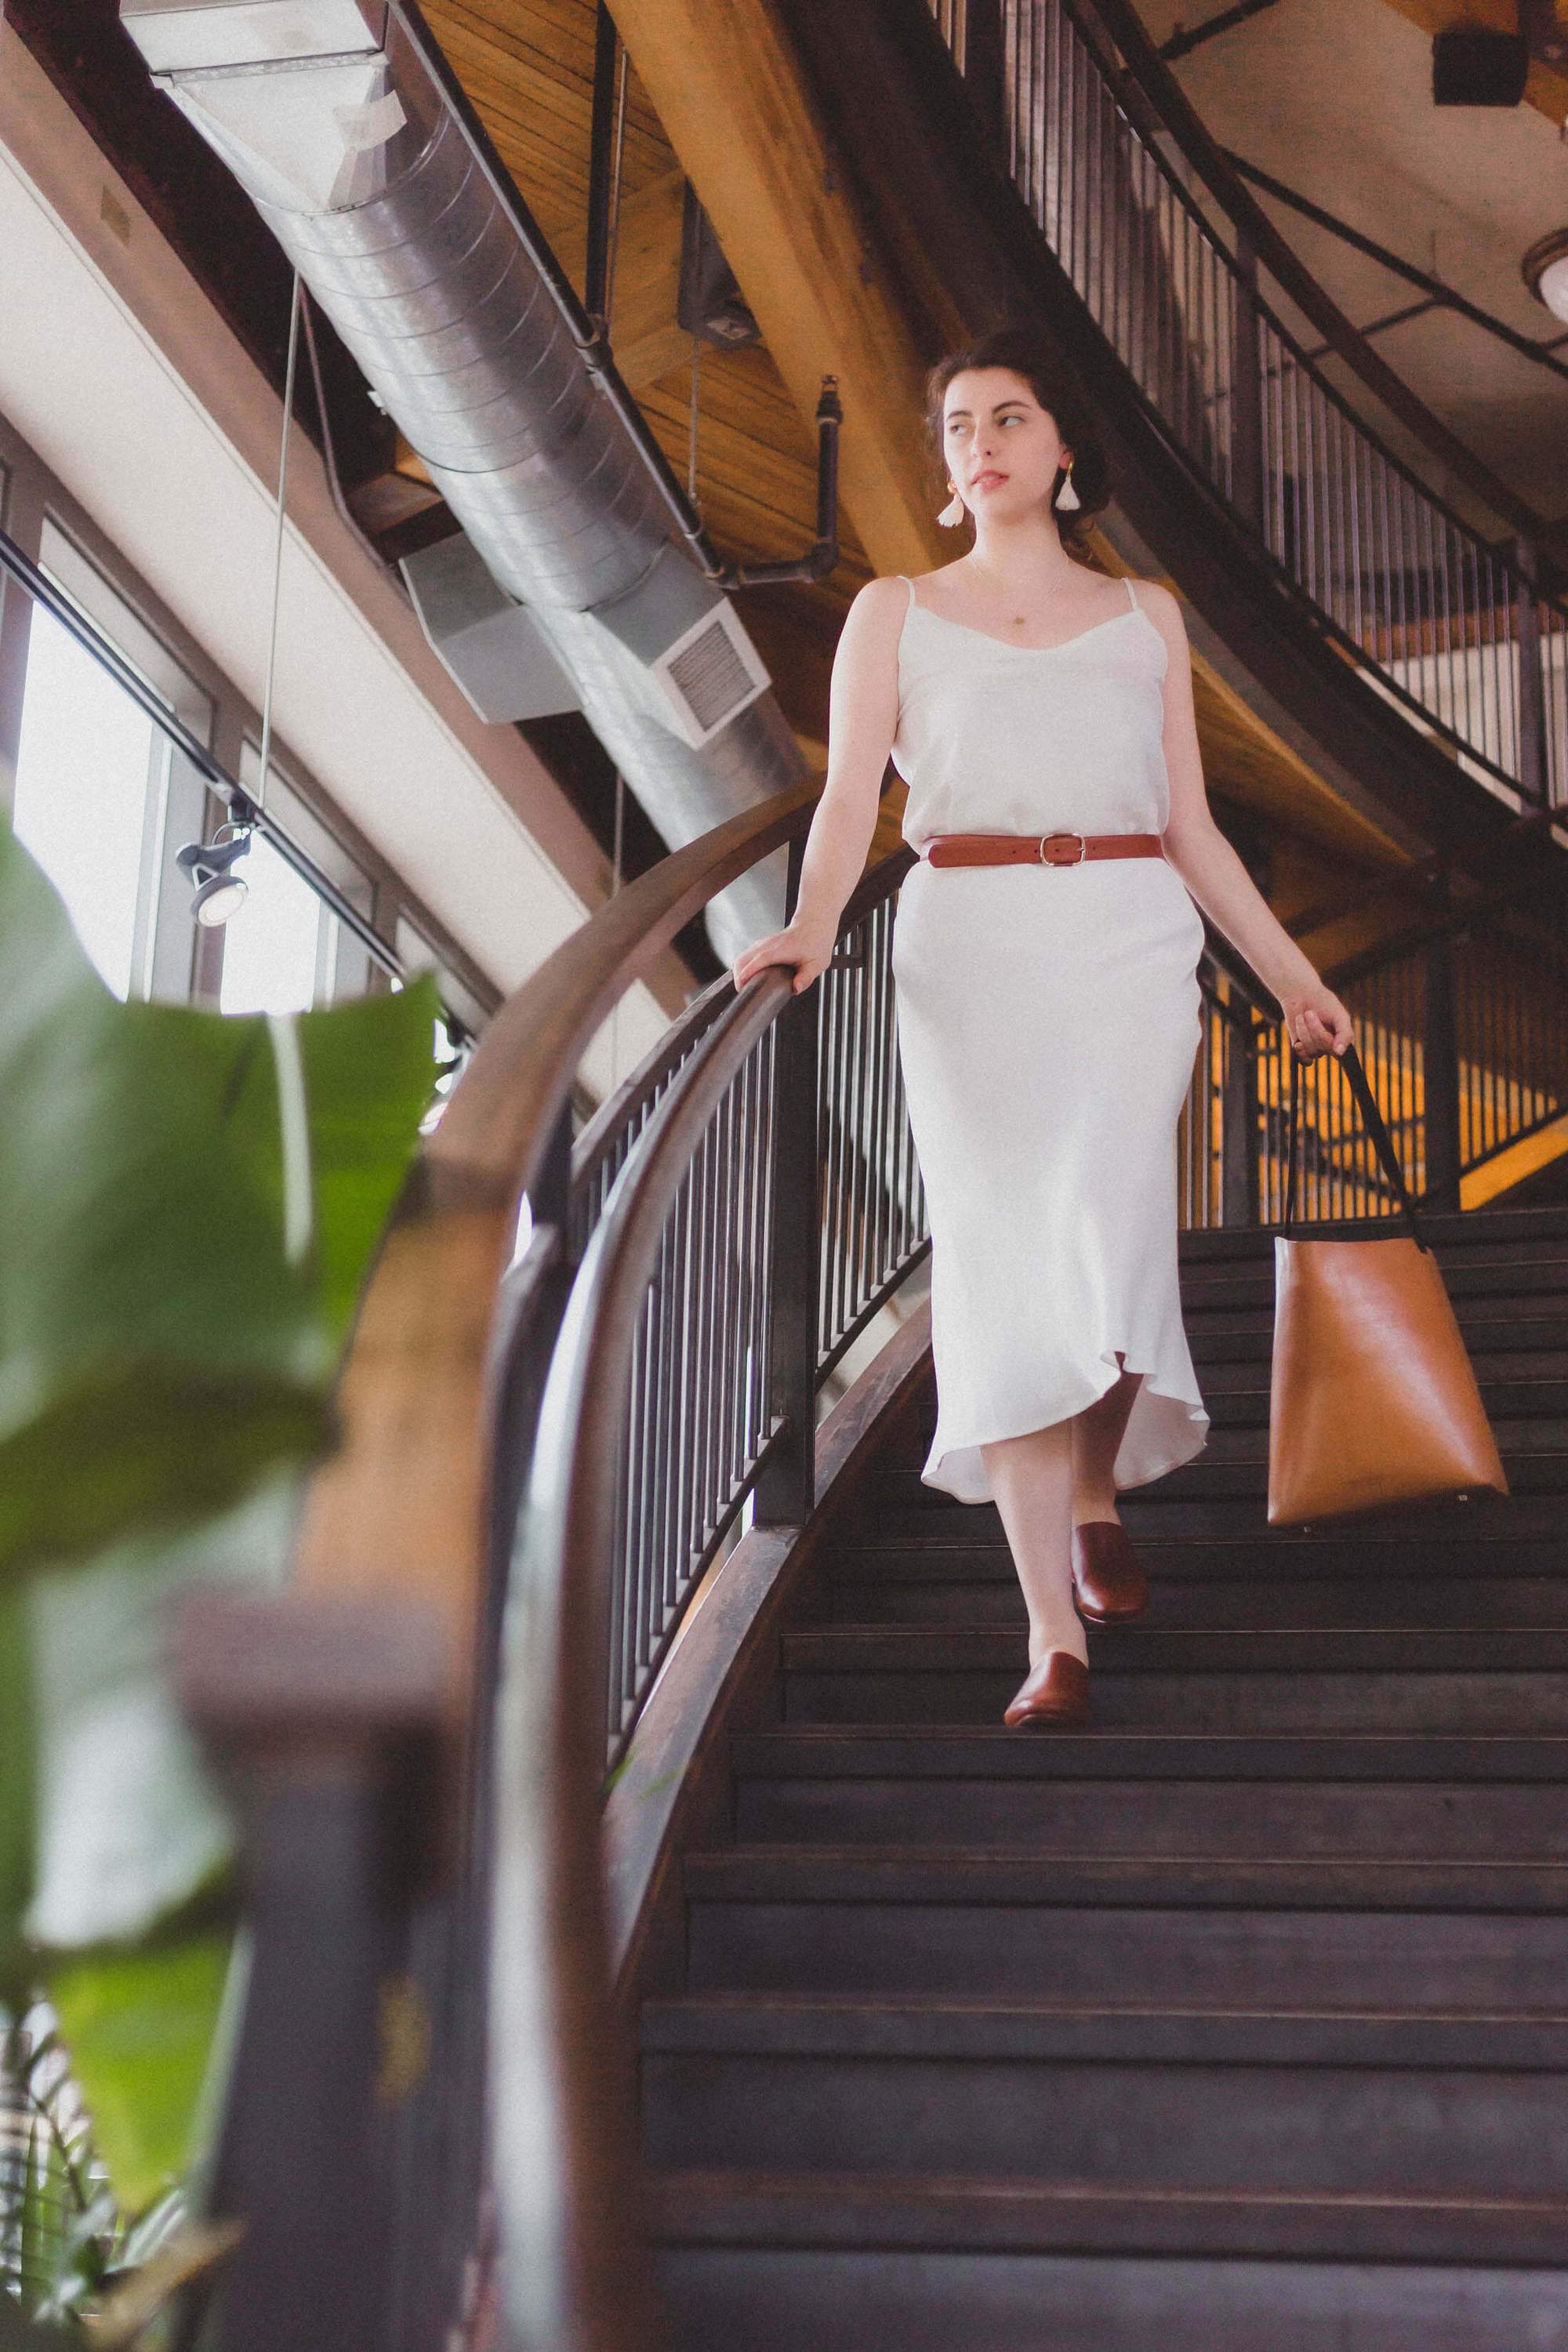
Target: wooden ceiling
pixel 528 66
pixel 722 76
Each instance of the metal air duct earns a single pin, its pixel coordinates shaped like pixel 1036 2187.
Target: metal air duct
pixel 356 160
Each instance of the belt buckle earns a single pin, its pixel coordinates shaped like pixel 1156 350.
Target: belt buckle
pixel 1082 848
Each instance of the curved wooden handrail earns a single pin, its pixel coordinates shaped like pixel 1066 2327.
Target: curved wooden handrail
pixel 399 1512
pixel 567 2178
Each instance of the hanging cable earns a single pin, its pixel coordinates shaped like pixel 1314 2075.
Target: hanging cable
pixel 277 540
pixel 692 422
pixel 615 187
pixel 615 892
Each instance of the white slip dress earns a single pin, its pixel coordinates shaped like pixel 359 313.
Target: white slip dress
pixel 1047 1019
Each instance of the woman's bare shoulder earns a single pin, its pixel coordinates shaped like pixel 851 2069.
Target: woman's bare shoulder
pixel 877 609
pixel 1159 601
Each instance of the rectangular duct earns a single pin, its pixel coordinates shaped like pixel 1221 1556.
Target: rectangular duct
pixel 485 641
pixel 191 35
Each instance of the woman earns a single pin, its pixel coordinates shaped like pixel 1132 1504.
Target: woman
pixel 1047 1008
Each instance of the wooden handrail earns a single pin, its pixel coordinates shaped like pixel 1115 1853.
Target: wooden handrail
pixel 567 2181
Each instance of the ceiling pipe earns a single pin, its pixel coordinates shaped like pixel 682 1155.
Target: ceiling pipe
pixel 585 579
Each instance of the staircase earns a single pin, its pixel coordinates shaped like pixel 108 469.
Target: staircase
pixel 1239 2020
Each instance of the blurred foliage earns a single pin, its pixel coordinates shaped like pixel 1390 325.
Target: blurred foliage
pixel 189 1204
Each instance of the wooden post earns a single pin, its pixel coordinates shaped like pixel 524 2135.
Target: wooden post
pixel 787 1484
pixel 1533 759
pixel 1440 1060
pixel 1238 1119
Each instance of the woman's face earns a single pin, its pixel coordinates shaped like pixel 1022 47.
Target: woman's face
pixel 1002 448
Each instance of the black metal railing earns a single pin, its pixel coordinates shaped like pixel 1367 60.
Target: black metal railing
pixel 1453 626
pixel 1463 1032
pixel 796 1215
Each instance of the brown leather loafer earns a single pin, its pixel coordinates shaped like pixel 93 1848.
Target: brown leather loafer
pixel 1110 1586
pixel 1056 1692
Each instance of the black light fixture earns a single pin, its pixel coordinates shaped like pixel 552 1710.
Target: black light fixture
pixel 209 866
pixel 708 302
pixel 1472 65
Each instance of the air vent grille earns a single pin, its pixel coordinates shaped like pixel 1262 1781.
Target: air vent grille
pixel 710 676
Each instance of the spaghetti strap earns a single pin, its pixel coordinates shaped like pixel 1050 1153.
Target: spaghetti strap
pixel 1136 606
pixel 910 586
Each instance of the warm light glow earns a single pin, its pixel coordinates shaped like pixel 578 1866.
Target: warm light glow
pixel 1553 286
pixel 216 900
pixel 1545 271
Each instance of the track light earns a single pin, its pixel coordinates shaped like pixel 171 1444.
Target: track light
pixel 1545 271
pixel 209 866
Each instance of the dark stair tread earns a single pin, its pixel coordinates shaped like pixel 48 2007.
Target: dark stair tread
pixel 1531 1342
pixel 1217 1604
pixel 871 2026
pixel 986 1752
pixel 1520 1437
pixel 908 1511
pixel 1465 1275
pixel 1036 1877
pixel 963 2212
pixel 953 1544
pixel 1145 1649
pixel 844 1963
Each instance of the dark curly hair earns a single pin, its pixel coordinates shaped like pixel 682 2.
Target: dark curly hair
pixel 1032 355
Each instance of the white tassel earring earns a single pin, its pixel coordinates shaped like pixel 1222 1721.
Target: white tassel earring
pixel 953 512
pixel 1068 498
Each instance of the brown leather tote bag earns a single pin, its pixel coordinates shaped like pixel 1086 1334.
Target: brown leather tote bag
pixel 1373 1398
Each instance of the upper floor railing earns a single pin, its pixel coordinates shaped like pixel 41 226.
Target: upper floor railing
pixel 1185 278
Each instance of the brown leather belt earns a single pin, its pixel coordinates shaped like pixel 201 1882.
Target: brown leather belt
pixel 1037 848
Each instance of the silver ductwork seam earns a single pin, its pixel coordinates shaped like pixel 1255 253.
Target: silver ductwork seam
pixel 581 595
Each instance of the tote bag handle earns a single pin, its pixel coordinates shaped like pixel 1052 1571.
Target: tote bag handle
pixel 1383 1142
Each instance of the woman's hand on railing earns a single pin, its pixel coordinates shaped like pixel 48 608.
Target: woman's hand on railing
pixel 807 950
pixel 1316 1022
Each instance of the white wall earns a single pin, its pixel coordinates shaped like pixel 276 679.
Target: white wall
pixel 129 384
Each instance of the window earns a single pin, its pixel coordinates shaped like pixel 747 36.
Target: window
pixel 88 765
pixel 102 798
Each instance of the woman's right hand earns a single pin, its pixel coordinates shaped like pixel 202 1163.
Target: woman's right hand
pixel 807 951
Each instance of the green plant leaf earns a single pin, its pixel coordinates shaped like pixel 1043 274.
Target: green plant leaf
pixel 143 1210
pixel 159 1448
pixel 139 2024
pixel 189 1204
pixel 19 1797
pixel 368 1070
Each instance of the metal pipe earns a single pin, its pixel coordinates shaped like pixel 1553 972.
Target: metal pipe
pixel 377 179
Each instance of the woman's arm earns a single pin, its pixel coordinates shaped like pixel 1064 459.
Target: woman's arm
pixel 1316 1020
pixel 862 720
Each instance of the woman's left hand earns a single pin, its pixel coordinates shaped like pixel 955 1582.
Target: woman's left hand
pixel 1316 1022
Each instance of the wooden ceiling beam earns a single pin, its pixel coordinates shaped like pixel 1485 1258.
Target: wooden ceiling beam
pixel 728 90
